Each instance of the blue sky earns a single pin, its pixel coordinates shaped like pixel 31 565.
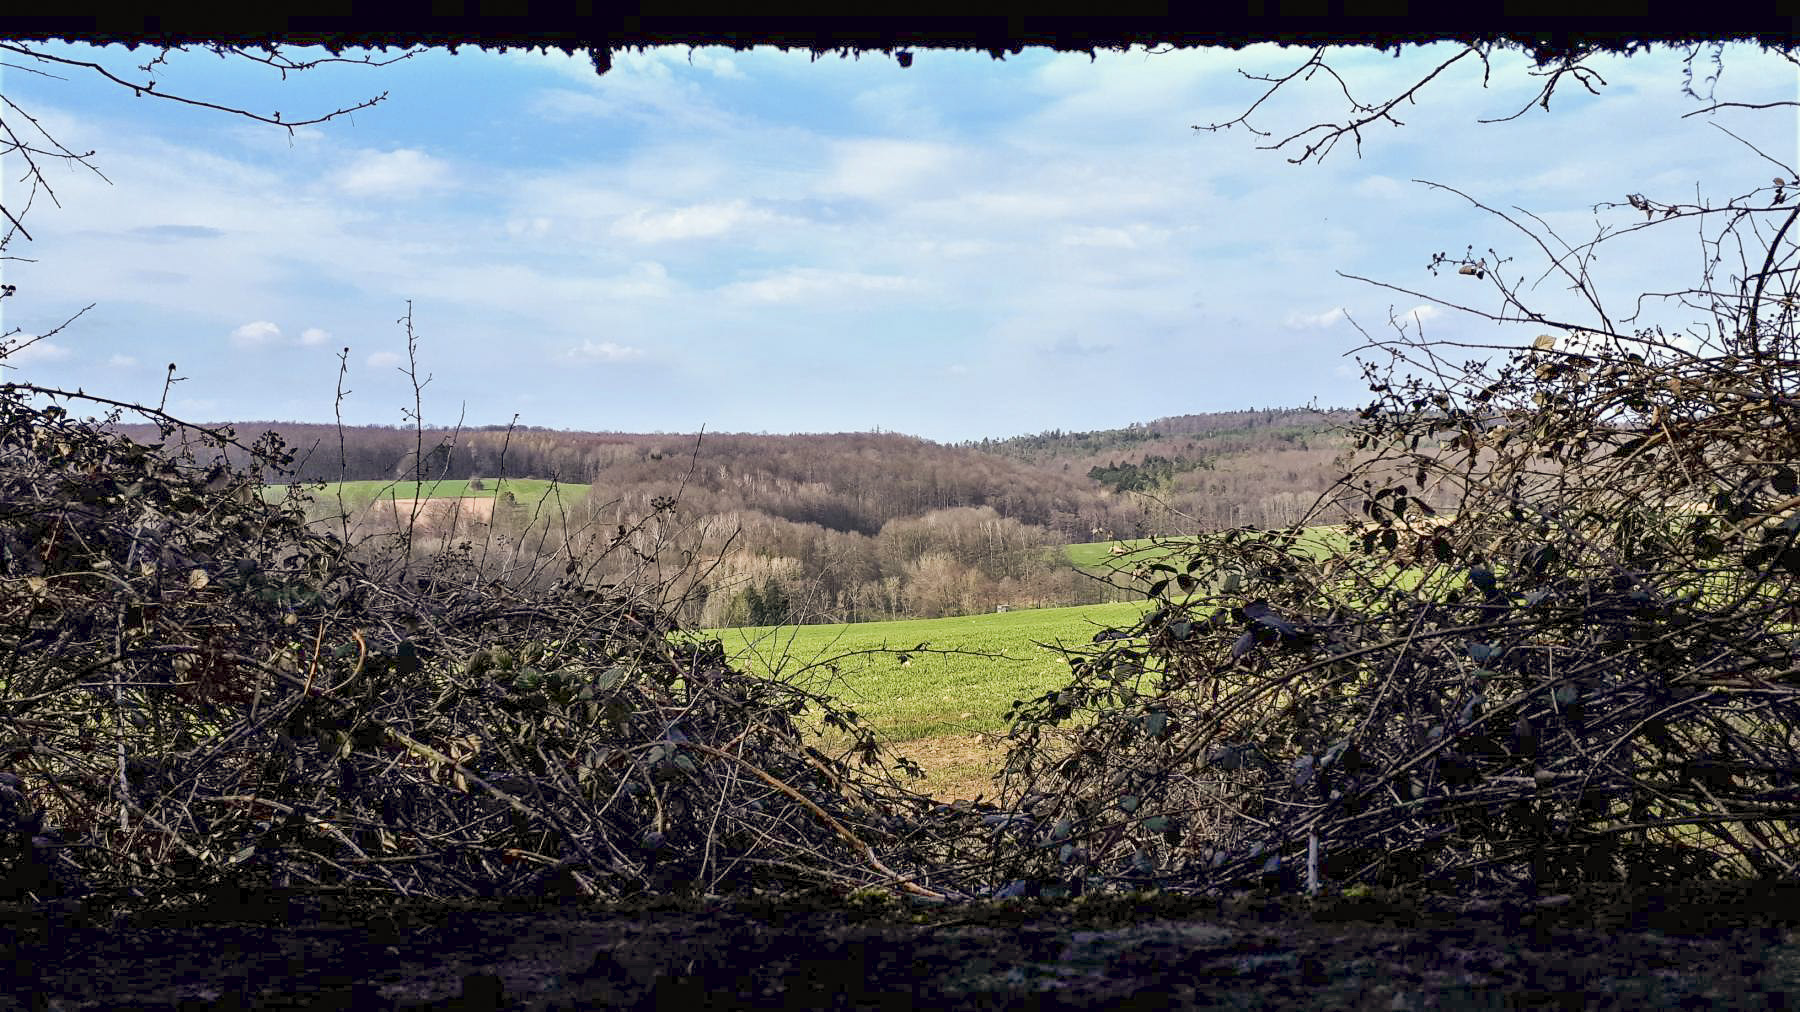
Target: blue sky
pixel 761 241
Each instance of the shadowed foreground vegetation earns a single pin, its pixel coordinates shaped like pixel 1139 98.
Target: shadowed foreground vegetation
pixel 1558 684
pixel 1544 687
pixel 1554 647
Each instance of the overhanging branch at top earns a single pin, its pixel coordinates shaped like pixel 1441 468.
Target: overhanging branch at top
pixel 884 28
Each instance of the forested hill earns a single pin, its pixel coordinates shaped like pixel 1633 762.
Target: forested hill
pixel 853 482
pixel 856 482
pixel 1217 434
pixel 851 526
pixel 1223 468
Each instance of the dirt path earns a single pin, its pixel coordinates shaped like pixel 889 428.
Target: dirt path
pixel 1734 946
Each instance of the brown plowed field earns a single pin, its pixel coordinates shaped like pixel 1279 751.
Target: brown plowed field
pixel 435 516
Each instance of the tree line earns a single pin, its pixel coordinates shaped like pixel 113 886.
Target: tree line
pixel 860 526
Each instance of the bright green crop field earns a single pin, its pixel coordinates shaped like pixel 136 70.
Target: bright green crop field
pixel 930 694
pixel 357 494
pixel 1099 554
pixel 1141 551
pixel 944 711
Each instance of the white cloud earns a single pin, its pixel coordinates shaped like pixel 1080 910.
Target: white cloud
pixel 1314 321
pixel 382 360
pixel 266 334
pixel 1693 344
pixel 256 334
pixel 530 228
pixel 579 66
pixel 898 108
pixel 392 173
pixel 940 249
pixel 812 283
pixel 1026 206
pixel 665 61
pixel 604 351
pixel 17 352
pixel 884 168
pixel 1100 236
pixel 121 361
pixel 656 86
pixel 697 221
pixel 713 62
pixel 1422 313
pixel 646 279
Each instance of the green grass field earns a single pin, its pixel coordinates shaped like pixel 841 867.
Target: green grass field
pixel 1140 551
pixel 1099 554
pixel 930 694
pixel 944 711
pixel 357 494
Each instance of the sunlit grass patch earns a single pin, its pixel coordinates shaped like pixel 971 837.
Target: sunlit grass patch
pixel 357 494
pixel 927 694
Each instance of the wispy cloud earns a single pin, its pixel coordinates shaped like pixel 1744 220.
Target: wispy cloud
pixel 25 349
pixel 1314 321
pixel 714 62
pixel 696 221
pixel 884 168
pixel 1079 348
pixel 256 334
pixel 814 284
pixel 266 334
pixel 1101 237
pixel 165 233
pixel 752 221
pixel 399 173
pixel 604 351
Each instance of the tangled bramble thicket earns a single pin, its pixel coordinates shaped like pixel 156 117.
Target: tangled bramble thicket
pixel 1584 669
pixel 1580 676
pixel 1588 671
pixel 199 689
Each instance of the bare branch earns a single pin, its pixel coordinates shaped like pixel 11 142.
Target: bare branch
pixel 1716 106
pixel 1783 166
pixel 1571 65
pixel 149 88
pixel 1362 114
pixel 1316 59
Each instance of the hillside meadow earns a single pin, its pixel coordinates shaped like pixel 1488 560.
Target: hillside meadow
pixel 944 706
pixel 1127 554
pixel 357 494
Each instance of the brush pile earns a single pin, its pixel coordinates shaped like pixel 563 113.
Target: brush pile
pixel 198 690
